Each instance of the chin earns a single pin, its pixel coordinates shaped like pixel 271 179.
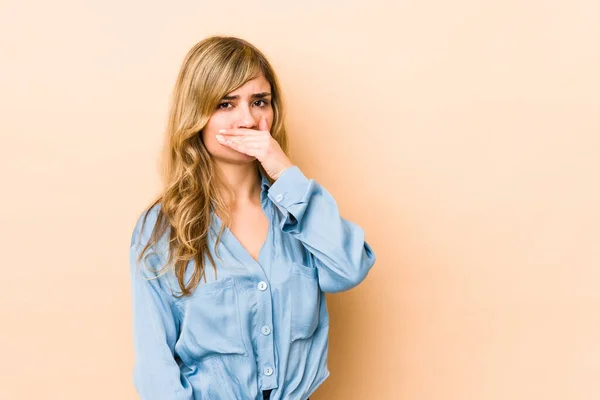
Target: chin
pixel 236 158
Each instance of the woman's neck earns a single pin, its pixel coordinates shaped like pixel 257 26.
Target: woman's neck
pixel 244 180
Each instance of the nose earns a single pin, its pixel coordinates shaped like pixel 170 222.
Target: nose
pixel 245 119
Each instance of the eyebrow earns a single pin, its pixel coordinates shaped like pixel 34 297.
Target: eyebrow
pixel 254 96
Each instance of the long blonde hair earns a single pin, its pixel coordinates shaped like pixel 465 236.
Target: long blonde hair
pixel 211 69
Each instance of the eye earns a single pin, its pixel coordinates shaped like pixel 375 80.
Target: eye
pixel 221 105
pixel 265 103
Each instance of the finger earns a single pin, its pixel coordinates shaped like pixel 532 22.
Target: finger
pixel 246 139
pixel 229 141
pixel 240 147
pixel 237 139
pixel 239 132
pixel 262 124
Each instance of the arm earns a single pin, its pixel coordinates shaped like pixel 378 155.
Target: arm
pixel 156 374
pixel 341 255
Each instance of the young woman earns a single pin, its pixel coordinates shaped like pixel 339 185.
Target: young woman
pixel 229 265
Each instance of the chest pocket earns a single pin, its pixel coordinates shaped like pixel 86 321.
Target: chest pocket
pixel 211 324
pixel 306 297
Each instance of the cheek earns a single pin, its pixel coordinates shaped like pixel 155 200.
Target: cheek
pixel 206 139
pixel 210 130
pixel 270 116
pixel 209 139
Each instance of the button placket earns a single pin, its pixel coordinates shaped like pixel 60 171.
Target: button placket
pixel 266 352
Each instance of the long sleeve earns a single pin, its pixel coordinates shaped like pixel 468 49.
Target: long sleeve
pixel 341 255
pixel 156 374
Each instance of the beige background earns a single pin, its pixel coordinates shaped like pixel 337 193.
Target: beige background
pixel 463 136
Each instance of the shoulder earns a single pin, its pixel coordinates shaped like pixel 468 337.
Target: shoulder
pixel 144 225
pixel 150 263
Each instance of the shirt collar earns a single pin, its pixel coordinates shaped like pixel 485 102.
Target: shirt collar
pixel 264 185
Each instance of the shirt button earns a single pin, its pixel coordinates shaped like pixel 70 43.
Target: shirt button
pixel 265 330
pixel 279 197
pixel 268 371
pixel 262 286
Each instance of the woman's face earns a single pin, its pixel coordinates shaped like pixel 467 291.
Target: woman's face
pixel 241 108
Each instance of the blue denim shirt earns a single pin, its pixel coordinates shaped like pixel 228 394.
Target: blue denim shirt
pixel 260 325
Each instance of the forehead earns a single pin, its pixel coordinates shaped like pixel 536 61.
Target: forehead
pixel 256 85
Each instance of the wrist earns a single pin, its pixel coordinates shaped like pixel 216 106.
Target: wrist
pixel 288 166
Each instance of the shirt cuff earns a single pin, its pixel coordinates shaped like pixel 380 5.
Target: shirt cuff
pixel 289 188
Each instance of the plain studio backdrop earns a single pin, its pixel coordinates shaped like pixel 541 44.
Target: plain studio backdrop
pixel 462 136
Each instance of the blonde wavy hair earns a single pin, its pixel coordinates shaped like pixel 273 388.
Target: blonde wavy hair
pixel 192 186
